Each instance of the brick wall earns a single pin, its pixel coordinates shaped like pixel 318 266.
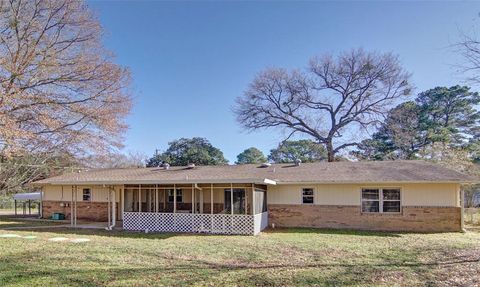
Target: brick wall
pixel 94 211
pixel 412 218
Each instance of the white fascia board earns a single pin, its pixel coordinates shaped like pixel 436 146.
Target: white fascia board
pixel 188 181
pixel 269 181
pixel 368 182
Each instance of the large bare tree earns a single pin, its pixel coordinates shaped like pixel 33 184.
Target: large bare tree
pixel 60 89
pixel 332 97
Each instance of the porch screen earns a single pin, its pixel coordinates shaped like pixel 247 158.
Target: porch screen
pixel 131 200
pixel 260 201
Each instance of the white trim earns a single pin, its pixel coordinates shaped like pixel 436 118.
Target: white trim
pixel 366 182
pixel 91 194
pixel 160 181
pixel 380 199
pixel 301 195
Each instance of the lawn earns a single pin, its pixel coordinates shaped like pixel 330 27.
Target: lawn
pixel 279 257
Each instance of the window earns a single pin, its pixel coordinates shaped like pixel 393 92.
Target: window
pixel 307 195
pixel 179 195
pixel 87 194
pixel 381 200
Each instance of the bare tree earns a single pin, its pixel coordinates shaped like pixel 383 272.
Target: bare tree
pixel 469 49
pixel 59 87
pixel 116 160
pixel 354 89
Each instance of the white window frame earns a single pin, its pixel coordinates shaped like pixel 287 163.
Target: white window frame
pixel 91 193
pixel 301 195
pixel 380 199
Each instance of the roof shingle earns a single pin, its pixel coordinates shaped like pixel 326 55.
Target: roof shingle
pixel 321 172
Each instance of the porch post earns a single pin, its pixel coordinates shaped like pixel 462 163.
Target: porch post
pixel 71 208
pixel 174 198
pixel 139 198
pixel 40 206
pixel 462 210
pixel 122 200
pixel 231 198
pixel 156 197
pixel 201 200
pixel 108 207
pixel 211 198
pixel 193 198
pixel 76 194
pixel 114 206
pixel 253 199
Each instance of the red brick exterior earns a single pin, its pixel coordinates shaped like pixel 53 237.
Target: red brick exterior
pixel 417 219
pixel 93 211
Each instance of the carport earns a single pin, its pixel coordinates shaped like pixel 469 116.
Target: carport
pixel 26 200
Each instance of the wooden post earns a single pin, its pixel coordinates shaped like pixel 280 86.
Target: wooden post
pixel 211 198
pixel 71 208
pixel 108 208
pixel 156 198
pixel 231 198
pixel 462 210
pixel 139 198
pixel 193 198
pixel 200 192
pixel 15 202
pixel 253 199
pixel 122 200
pixel 174 198
pixel 75 209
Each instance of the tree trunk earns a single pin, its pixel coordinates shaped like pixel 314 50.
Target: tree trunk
pixel 330 152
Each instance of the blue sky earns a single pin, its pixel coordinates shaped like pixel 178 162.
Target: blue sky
pixel 190 60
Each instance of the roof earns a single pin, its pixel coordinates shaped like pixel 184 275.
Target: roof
pixel 320 172
pixel 27 196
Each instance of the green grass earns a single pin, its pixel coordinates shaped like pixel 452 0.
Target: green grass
pixel 282 257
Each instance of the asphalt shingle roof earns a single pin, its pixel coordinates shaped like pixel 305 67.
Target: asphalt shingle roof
pixel 321 172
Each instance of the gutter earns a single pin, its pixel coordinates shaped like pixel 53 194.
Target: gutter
pixel 188 181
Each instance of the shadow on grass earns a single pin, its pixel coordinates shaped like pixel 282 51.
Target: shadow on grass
pixel 100 232
pixel 9 221
pixel 331 231
pixel 185 271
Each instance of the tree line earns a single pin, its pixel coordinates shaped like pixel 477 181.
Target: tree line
pixel 200 151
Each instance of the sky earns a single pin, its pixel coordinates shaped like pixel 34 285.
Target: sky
pixel 191 60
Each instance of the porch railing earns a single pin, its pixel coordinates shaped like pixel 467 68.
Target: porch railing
pixel 195 223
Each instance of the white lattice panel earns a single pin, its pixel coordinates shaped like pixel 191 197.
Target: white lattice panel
pixel 187 222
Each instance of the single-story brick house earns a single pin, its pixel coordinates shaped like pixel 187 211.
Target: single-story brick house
pixel 244 199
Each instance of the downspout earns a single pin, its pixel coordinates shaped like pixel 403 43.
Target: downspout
pixel 40 206
pixel 111 197
pixel 462 210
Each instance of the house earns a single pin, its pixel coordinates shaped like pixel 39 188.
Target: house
pixel 244 199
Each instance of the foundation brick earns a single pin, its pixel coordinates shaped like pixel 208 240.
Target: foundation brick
pixel 412 218
pixel 93 211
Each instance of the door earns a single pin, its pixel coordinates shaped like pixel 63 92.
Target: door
pixel 238 201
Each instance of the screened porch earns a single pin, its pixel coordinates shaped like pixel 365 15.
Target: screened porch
pixel 226 208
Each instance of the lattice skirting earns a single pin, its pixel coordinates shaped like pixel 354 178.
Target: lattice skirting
pixel 194 223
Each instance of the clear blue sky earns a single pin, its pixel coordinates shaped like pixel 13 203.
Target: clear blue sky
pixel 190 60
